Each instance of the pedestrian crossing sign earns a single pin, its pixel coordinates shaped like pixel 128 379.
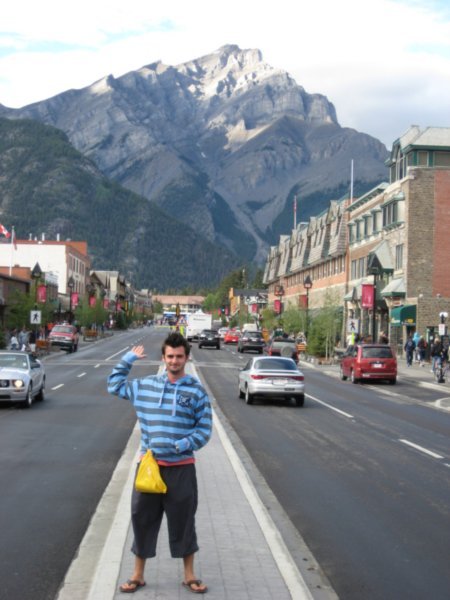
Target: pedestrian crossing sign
pixel 35 317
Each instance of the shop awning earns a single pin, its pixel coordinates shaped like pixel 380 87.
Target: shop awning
pixel 403 315
pixel 394 289
pixel 380 259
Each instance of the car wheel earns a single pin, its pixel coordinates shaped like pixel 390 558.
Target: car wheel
pixel 341 374
pixel 352 377
pixel 393 381
pixel 200 346
pixel 41 394
pixel 75 348
pixel 241 393
pixel 29 399
pixel 248 396
pixel 218 346
pixel 299 400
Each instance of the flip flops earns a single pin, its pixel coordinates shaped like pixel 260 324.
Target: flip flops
pixel 133 586
pixel 189 585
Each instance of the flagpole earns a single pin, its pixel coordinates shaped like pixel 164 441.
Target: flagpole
pixel 12 249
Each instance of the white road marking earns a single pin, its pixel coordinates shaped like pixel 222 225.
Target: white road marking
pixel 58 386
pixel 81 375
pixel 120 352
pixel 341 412
pixel 421 449
pixel 97 366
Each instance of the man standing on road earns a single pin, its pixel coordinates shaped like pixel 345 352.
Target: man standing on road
pixel 175 418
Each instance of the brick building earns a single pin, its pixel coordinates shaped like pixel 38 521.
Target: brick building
pixel 392 266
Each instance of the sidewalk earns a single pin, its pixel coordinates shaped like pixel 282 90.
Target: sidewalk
pixel 247 551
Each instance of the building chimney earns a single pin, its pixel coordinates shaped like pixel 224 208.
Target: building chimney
pixel 43 237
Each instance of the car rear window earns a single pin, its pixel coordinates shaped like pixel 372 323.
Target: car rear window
pixel 384 352
pixel 272 364
pixel 283 344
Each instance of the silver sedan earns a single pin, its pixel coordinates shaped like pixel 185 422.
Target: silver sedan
pixel 272 377
pixel 22 378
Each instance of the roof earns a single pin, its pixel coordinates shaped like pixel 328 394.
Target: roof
pixel 433 137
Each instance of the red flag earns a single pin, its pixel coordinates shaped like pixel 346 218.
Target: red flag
pixel 4 231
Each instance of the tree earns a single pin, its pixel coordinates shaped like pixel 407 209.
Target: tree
pixel 325 327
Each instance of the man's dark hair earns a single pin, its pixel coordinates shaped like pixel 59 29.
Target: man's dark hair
pixel 176 340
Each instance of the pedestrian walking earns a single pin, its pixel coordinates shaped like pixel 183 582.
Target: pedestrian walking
pixel 14 342
pixel 435 352
pixel 422 347
pixel 409 349
pixel 175 418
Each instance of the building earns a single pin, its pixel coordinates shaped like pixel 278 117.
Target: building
pixel 399 242
pixel 391 268
pixel 185 304
pixel 315 254
pixel 247 302
pixel 64 260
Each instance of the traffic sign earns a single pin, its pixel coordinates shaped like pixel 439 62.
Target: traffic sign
pixel 35 317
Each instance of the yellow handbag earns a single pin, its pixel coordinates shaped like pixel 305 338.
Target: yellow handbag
pixel 148 478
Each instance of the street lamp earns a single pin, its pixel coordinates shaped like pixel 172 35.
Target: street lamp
pixel 70 285
pixel 307 284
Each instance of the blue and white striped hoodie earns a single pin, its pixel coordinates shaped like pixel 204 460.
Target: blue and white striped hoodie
pixel 175 418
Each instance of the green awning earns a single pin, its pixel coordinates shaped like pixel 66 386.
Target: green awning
pixel 403 315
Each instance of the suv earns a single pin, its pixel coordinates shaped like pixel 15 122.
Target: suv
pixel 251 340
pixel 283 346
pixel 65 337
pixel 369 361
pixel 209 337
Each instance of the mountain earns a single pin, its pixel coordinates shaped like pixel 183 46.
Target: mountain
pixel 222 142
pixel 48 186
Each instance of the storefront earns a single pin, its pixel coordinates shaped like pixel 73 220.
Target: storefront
pixel 402 323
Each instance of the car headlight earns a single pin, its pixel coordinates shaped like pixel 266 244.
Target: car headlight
pixel 18 383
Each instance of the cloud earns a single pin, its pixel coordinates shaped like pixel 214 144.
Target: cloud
pixel 383 64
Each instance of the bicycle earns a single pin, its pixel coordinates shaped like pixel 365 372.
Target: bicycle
pixel 441 371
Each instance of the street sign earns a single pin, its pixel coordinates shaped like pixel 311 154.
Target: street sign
pixel 35 317
pixel 353 326
pixel 442 329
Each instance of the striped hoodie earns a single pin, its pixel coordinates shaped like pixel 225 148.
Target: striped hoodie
pixel 175 418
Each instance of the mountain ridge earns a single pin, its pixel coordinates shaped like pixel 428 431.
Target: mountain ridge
pixel 222 134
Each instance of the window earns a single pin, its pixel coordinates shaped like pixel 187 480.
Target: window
pixel 354 267
pixel 442 159
pixel 362 267
pixel 399 257
pixel 351 233
pixel 390 214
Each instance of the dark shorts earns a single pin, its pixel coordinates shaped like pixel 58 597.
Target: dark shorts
pixel 179 504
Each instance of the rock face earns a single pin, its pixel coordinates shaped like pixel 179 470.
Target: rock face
pixel 222 142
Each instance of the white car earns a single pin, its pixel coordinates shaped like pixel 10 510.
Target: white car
pixel 222 332
pixel 272 377
pixel 22 378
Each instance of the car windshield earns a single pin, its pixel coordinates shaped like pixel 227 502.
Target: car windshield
pixel 13 361
pixel 383 352
pixel 275 364
pixel 62 329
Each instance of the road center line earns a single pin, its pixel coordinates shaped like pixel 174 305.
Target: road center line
pixel 120 352
pixel 58 386
pixel 421 449
pixel 81 375
pixel 341 412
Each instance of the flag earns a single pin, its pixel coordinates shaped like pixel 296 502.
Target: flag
pixel 4 231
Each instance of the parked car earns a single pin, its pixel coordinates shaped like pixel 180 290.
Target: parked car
pixel 283 346
pixel 65 337
pixel 251 340
pixel 209 338
pixel 369 362
pixel 232 336
pixel 272 377
pixel 22 378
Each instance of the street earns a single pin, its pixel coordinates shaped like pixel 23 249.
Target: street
pixel 361 471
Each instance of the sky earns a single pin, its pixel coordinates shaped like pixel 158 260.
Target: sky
pixel 384 64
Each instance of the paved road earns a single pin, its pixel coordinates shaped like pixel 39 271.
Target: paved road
pixel 362 471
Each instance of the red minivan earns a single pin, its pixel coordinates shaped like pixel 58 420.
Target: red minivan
pixel 367 362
